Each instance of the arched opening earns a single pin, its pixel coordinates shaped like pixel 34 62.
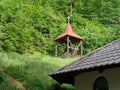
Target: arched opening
pixel 101 84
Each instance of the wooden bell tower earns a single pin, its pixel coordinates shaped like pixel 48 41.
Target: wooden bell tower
pixel 70 39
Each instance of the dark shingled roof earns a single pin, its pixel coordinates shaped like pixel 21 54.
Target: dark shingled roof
pixel 106 56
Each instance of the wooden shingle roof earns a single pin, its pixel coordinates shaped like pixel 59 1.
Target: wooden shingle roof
pixel 104 57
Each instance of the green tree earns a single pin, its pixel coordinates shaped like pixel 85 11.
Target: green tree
pixel 31 26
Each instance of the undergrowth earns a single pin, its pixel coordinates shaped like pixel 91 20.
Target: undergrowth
pixel 5 84
pixel 33 70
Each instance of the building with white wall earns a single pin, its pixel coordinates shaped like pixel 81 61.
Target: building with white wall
pixel 99 70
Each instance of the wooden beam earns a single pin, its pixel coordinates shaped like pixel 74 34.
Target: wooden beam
pixel 56 50
pixel 81 49
pixel 68 45
pixel 77 48
pixel 79 44
pixel 70 42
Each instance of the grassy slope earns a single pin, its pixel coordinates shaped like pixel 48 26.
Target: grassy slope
pixel 32 70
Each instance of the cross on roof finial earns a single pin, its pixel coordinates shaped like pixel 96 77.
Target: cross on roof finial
pixel 68 18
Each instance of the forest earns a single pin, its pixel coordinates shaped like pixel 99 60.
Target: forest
pixel 28 29
pixel 28 26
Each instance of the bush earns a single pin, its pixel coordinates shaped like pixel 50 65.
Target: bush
pixel 16 72
pixel 1 77
pixel 33 83
pixel 5 84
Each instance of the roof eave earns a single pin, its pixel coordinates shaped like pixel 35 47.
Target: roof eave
pixel 68 77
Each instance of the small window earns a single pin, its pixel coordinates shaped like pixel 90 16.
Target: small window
pixel 101 84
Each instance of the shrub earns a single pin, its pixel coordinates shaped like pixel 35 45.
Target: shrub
pixel 5 84
pixel 16 72
pixel 33 83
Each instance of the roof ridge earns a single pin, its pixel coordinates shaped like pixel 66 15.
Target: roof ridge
pixel 98 49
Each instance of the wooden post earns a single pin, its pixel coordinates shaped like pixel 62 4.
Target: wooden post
pixel 56 50
pixel 81 49
pixel 68 45
pixel 71 8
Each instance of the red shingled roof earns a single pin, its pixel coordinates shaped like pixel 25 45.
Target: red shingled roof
pixel 68 32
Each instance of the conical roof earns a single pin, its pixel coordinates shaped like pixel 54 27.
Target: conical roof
pixel 68 32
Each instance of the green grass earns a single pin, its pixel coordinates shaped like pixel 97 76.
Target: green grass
pixel 5 84
pixel 33 70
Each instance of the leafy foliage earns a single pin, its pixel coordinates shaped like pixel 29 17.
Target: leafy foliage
pixel 31 25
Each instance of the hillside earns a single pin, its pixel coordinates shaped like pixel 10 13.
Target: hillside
pixel 28 26
pixel 30 72
pixel 28 29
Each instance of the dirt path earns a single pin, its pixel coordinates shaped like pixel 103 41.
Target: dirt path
pixel 13 81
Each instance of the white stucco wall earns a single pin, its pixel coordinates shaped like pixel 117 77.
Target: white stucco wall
pixel 85 81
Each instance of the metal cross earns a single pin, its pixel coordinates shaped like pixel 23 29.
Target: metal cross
pixel 68 18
